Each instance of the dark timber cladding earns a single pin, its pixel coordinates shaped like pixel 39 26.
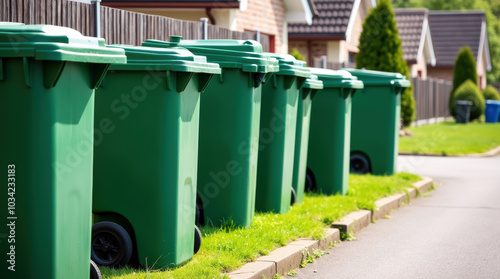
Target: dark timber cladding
pixel 118 26
pixel 410 23
pixel 452 30
pixel 332 22
pixel 173 3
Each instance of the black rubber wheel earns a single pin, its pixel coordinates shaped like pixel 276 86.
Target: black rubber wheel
pixel 198 213
pixel 310 185
pixel 197 239
pixel 294 197
pixel 111 245
pixel 95 273
pixel 359 164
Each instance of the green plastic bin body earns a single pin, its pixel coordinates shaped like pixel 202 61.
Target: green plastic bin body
pixel 311 86
pixel 145 169
pixel 278 122
pixel 229 127
pixel 376 112
pixel 47 83
pixel 329 135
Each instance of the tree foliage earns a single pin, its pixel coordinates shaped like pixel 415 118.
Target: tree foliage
pixel 465 69
pixel 380 49
pixel 491 93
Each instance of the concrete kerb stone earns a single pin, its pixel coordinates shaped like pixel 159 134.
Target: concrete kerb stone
pixel 386 205
pixel 254 270
pixel 289 257
pixel 491 153
pixel 354 222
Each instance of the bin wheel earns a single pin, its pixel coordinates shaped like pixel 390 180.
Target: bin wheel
pixel 359 164
pixel 294 197
pixel 310 185
pixel 111 244
pixel 95 273
pixel 198 212
pixel 197 239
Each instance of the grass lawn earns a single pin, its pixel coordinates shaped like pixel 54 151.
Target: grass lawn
pixel 449 138
pixel 227 248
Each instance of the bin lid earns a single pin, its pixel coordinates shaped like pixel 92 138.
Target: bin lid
pixel 313 82
pixel 370 77
pixel 337 79
pixel 175 59
pixel 290 66
pixel 246 55
pixel 49 42
pixel 493 102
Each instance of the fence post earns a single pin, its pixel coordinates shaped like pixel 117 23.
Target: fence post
pixel 436 100
pixel 97 17
pixel 323 61
pixel 204 28
pixel 257 35
pixel 416 97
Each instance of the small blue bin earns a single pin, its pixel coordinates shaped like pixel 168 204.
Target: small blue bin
pixel 492 111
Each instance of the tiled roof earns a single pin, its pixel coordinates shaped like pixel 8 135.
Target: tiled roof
pixel 452 30
pixel 332 22
pixel 410 23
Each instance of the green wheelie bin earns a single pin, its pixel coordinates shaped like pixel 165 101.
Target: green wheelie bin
pixel 147 121
pixel 229 127
pixel 376 112
pixel 278 122
pixel 47 79
pixel 309 89
pixel 330 131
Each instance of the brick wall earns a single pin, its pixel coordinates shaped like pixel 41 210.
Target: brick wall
pixel 440 73
pixel 301 46
pixel 268 16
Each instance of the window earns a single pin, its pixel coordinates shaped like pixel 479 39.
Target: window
pixel 419 73
pixel 481 82
pixel 352 57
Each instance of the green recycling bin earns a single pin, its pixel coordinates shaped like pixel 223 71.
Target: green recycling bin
pixel 278 122
pixel 145 170
pixel 376 113
pixel 330 131
pixel 229 127
pixel 47 79
pixel 309 89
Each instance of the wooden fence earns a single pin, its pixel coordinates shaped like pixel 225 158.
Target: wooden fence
pixel 431 99
pixel 117 26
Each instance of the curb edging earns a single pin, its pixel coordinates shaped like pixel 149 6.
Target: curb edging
pixel 493 152
pixel 289 257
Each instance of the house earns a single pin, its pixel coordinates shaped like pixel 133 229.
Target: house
pixel 335 34
pixel 270 17
pixel 452 30
pixel 415 34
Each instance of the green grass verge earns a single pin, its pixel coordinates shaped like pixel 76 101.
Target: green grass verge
pixel 449 138
pixel 229 247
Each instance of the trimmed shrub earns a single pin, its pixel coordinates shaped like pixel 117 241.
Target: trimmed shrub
pixel 465 69
pixel 297 55
pixel 469 91
pixel 380 49
pixel 491 93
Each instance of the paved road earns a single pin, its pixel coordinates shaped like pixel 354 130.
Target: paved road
pixel 453 233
